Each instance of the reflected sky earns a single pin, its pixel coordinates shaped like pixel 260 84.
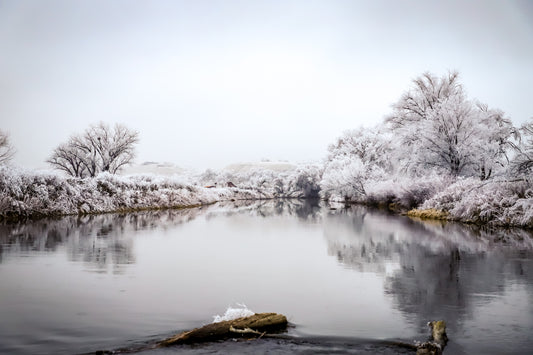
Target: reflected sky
pixel 75 282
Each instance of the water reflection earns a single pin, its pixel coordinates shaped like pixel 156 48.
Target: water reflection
pixel 102 242
pixel 351 272
pixel 305 210
pixel 432 270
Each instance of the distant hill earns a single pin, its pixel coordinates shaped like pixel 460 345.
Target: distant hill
pixel 267 165
pixel 156 168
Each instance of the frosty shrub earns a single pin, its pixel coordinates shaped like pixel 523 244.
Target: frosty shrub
pixel 33 194
pixel 344 179
pixel 357 158
pixel 493 202
pixel 269 180
pixel 36 193
pixel 405 192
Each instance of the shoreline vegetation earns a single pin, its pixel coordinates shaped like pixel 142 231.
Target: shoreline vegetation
pixel 437 155
pixel 30 195
pixel 38 194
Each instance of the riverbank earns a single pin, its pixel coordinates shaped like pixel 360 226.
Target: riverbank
pixel 497 202
pixel 33 194
pixel 27 195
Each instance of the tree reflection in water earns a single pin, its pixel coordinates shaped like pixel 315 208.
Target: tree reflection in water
pixel 305 210
pixel 432 270
pixel 99 241
pixel 103 241
pixel 427 270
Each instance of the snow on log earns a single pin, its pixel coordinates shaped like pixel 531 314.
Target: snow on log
pixel 255 325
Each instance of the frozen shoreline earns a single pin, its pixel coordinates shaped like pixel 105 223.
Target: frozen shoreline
pixel 498 202
pixel 31 194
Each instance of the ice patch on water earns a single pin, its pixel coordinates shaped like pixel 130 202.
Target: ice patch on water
pixel 233 313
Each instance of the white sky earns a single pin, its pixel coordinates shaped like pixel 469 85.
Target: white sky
pixel 209 83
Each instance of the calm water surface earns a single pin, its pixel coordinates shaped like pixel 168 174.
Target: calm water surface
pixel 346 279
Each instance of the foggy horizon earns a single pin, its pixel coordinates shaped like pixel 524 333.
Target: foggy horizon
pixel 209 84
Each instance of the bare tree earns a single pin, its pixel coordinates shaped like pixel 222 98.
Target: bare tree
pixel 100 148
pixel 69 158
pixel 6 149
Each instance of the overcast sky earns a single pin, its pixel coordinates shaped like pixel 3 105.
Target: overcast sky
pixel 209 83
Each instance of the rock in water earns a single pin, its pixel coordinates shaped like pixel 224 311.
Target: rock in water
pixel 438 332
pixel 429 348
pixel 438 339
pixel 254 325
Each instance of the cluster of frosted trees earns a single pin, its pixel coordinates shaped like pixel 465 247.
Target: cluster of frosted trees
pixel 437 149
pixel 91 160
pixel 298 181
pixel 435 142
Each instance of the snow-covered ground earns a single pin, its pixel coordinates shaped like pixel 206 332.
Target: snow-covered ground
pixel 497 202
pixel 45 193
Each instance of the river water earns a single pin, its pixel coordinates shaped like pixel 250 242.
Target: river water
pixel 349 280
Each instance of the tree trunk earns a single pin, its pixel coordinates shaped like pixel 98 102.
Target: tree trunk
pixel 254 325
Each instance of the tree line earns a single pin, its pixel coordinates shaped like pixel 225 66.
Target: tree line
pixel 434 126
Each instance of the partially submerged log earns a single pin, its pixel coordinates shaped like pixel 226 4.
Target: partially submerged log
pixel 256 325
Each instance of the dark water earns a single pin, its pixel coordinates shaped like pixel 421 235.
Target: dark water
pixel 349 280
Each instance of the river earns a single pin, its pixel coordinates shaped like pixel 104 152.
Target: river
pixel 349 280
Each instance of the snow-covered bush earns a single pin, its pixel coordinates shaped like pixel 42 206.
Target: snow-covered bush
pixel 32 194
pixel 24 193
pixel 497 202
pixel 350 184
pixel 344 179
pixel 268 180
pixel 405 192
pixel 356 159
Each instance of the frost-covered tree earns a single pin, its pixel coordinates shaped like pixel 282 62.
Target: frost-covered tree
pixel 355 158
pixel 436 126
pixel 497 141
pixel 70 159
pixel 6 149
pixel 523 161
pixel 344 178
pixel 370 145
pixel 99 149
